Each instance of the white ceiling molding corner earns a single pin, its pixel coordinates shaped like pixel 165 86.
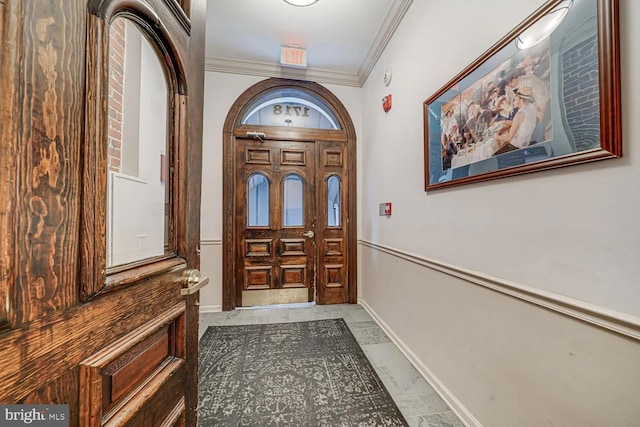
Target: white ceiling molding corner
pixel 388 28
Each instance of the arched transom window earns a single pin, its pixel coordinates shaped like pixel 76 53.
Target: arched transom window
pixel 291 107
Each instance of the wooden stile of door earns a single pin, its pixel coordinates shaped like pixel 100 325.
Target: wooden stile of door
pixel 118 345
pixel 333 273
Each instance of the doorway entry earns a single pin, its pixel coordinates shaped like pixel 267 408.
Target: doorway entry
pixel 289 197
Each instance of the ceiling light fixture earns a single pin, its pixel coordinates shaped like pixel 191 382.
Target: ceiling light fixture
pixel 544 27
pixel 301 3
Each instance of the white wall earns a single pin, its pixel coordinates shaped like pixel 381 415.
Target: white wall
pixel 572 231
pixel 221 91
pixel 499 361
pixel 566 240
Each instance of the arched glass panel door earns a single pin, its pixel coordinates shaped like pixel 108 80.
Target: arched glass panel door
pixel 307 251
pixel 293 201
pixel 138 227
pixel 258 201
pixel 276 252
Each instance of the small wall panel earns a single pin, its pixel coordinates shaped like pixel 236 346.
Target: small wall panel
pixel 257 247
pixel 334 277
pixel 293 247
pixel 130 376
pixel 293 276
pixel 155 408
pixel 259 277
pixel 333 247
pixel 332 158
pixel 293 157
pixel 258 156
pixel 124 373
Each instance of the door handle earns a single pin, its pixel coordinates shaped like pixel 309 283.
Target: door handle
pixel 309 234
pixel 194 282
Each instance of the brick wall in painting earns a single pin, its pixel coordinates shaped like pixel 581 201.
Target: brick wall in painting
pixel 580 91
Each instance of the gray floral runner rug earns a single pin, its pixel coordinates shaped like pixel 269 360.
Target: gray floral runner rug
pixel 290 374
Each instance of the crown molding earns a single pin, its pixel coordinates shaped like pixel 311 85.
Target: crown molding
pixel 265 69
pixel 392 21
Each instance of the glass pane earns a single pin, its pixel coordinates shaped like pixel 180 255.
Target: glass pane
pixel 333 202
pixel 258 201
pixel 137 192
pixel 293 201
pixel 291 108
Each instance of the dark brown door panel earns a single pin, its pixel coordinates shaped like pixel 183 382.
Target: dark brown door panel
pixel 117 343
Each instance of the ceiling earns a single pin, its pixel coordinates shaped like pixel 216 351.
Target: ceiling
pixel 343 38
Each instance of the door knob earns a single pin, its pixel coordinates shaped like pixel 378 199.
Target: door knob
pixel 194 282
pixel 309 234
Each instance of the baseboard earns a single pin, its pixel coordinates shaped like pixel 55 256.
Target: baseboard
pixel 602 317
pixel 456 406
pixel 210 308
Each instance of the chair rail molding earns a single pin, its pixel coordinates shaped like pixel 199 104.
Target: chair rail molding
pixel 211 242
pixel 602 317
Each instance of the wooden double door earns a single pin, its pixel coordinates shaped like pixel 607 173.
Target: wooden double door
pixel 117 343
pixel 291 221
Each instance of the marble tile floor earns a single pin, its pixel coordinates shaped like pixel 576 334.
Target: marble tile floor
pixel 418 402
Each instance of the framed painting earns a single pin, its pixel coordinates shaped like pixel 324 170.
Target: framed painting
pixel 545 96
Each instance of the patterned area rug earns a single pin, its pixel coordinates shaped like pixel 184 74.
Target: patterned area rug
pixel 290 374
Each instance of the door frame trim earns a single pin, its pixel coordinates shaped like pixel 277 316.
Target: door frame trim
pixel 232 123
